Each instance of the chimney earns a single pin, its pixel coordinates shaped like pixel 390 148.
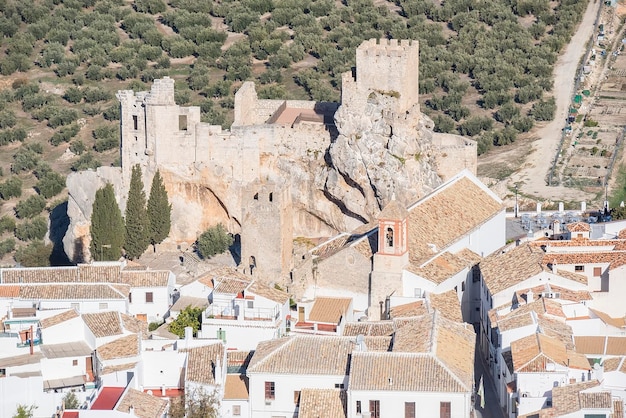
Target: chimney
pixel 530 296
pixel 162 390
pixel 131 411
pixel 188 334
pixel 218 372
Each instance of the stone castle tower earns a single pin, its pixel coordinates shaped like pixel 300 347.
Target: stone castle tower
pixel 267 231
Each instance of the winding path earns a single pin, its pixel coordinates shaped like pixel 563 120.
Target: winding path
pixel 531 177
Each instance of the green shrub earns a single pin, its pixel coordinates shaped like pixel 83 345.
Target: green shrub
pixel 214 240
pixel 50 185
pixel 11 188
pixel 30 207
pixel 32 230
pixel 35 254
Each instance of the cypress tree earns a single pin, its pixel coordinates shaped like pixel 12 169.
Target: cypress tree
pixel 159 211
pixel 137 224
pixel 107 226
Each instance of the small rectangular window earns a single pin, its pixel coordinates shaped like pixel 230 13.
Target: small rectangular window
pixel 579 268
pixel 135 122
pixel 445 410
pixel 375 409
pixel 270 391
pixel 338 385
pixel 409 410
pixel 250 304
pixel 182 122
pixel 3 372
pixel 149 297
pixel 236 410
pixel 358 407
pixel 74 362
pixel 130 297
pixel 597 271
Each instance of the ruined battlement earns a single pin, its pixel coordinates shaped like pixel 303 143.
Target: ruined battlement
pixel 162 92
pixel 389 47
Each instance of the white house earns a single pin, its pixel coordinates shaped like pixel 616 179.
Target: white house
pixel 324 315
pixel 242 312
pixel 280 369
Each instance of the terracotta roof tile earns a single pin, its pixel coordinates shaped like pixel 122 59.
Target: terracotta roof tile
pixel 118 368
pixel 100 273
pixel 365 241
pixel 441 268
pixel 103 324
pixel 238 358
pixel 614 258
pixel 9 291
pixel 596 400
pixel 393 210
pixel 378 343
pixel 590 344
pixel 566 399
pixel 616 346
pixel 578 227
pixel 183 301
pixel 145 406
pixel 447 214
pixel 303 354
pixel 329 310
pixel 58 318
pixel 39 275
pixel 124 347
pixel 448 304
pixel 65 291
pixel 201 363
pixel 504 270
pixel 134 325
pixel 416 308
pixel 612 364
pixel 615 322
pixel 407 372
pixel 322 403
pixel 534 352
pixel 148 278
pixel 380 328
pixel 268 292
pixel 228 280
pixel 236 387
pixel 618 409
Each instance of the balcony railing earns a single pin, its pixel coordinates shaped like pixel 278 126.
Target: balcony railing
pixel 227 312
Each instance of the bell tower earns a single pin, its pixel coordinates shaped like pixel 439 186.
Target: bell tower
pixel 390 259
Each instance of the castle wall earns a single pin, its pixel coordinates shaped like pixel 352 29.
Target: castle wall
pixel 454 154
pixel 390 66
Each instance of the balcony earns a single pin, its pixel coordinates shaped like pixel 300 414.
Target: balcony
pixel 227 312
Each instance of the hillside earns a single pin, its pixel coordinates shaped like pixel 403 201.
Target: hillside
pixel 485 72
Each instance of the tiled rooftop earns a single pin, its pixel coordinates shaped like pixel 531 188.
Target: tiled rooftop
pixel 184 301
pixel 58 319
pixel 103 324
pixel 448 304
pixel 378 343
pixel 268 292
pixel 566 399
pixel 75 291
pixel 201 363
pixel 601 345
pixel 615 322
pixel 534 352
pixel 578 227
pixel 416 308
pixel 145 406
pixel 303 354
pixel 612 364
pixel 402 372
pixel 118 368
pixel 69 349
pixel 135 325
pixel 236 387
pixel 329 310
pixel 504 270
pixel 393 210
pixel 441 268
pixel 447 214
pixel 321 403
pixel 20 360
pixel 120 348
pixel 380 328
pixel 148 278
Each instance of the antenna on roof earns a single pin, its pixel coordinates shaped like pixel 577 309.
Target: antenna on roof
pixel 360 343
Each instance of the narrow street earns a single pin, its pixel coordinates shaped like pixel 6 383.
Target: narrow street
pixel 492 408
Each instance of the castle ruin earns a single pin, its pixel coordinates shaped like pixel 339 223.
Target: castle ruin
pixel 286 168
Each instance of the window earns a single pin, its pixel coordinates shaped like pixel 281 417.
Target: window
pixel 409 410
pixel 270 391
pixel 3 372
pixel 103 305
pixel 579 268
pixel 389 237
pixel 250 304
pixel 182 122
pixel 149 297
pixel 296 397
pixel 597 271
pixel 130 297
pixel 135 122
pixel 462 286
pixel 358 407
pixel 271 197
pixel 74 362
pixel 579 235
pixel 338 385
pixel 375 409
pixel 445 410
pixel 236 410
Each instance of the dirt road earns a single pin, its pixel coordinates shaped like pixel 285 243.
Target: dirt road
pixel 531 177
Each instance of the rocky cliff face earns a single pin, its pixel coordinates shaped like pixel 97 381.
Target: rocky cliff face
pixel 373 155
pixel 377 155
